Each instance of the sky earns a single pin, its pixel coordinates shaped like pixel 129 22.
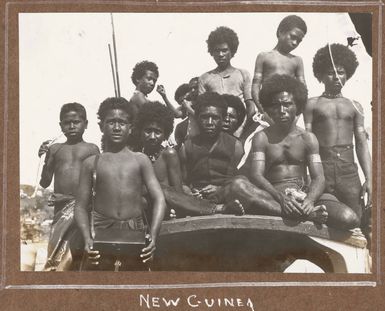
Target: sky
pixel 64 57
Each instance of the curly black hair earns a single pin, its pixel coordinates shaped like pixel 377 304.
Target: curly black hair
pixel 210 99
pixel 115 103
pixel 283 83
pixel 182 90
pixel 140 70
pixel 236 103
pixel 155 112
pixel 342 56
pixel 73 107
pixel 223 35
pixel 290 22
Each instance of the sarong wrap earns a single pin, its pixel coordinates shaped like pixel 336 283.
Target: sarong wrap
pixel 63 229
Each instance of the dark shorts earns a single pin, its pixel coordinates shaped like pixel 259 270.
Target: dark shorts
pixel 341 176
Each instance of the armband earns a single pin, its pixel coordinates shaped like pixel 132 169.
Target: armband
pixel 360 129
pixel 315 158
pixel 258 156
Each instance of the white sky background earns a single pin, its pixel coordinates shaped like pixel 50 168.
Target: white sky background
pixel 64 58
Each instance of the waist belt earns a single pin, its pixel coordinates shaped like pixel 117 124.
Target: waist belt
pixel 337 152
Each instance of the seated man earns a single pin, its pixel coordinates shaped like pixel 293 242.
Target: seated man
pixel 114 180
pixel 209 160
pixel 154 125
pixel 280 156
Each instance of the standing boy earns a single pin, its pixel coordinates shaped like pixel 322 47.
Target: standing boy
pixel 335 120
pixel 120 175
pixel 225 79
pixel 290 32
pixel 63 161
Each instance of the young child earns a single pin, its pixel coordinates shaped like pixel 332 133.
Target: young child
pixel 290 32
pixel 144 76
pixel 235 114
pixel 335 120
pixel 63 161
pixel 226 79
pixel 120 175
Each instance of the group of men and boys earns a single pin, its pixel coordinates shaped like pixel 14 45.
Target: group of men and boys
pixel 289 172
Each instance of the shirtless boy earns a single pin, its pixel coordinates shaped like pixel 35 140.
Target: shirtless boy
pixel 63 161
pixel 281 153
pixel 225 79
pixel 335 120
pixel 144 76
pixel 120 177
pixel 290 33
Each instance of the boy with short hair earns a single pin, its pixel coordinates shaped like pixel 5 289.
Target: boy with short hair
pixel 225 79
pixel 63 161
pixel 120 175
pixel 335 120
pixel 144 76
pixel 290 33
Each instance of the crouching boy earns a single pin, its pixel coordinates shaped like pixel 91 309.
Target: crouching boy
pixel 114 181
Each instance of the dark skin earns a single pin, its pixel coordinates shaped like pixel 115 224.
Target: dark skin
pixel 210 122
pixel 144 86
pixel 64 160
pixel 222 56
pixel 230 122
pixel 335 121
pixel 286 149
pixel 184 108
pixel 167 166
pixel 121 176
pixel 278 61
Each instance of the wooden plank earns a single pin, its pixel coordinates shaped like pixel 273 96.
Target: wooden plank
pixel 247 222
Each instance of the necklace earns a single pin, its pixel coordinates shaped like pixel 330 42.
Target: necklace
pixel 153 156
pixel 329 95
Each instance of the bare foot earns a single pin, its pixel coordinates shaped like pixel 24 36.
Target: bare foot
pixel 318 214
pixel 234 207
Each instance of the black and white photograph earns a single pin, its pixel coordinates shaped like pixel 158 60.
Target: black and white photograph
pixel 221 142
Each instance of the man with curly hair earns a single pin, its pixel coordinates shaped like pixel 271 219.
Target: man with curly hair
pixel 154 124
pixel 280 156
pixel 335 120
pixel 290 33
pixel 144 76
pixel 235 114
pixel 226 79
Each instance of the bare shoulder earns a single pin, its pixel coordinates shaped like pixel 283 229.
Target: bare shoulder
pixel 88 163
pixel 311 102
pixel 260 137
pixel 55 147
pixel 91 147
pixel 169 152
pixel 297 59
pixel 358 107
pixel 308 137
pixel 263 55
pixel 140 157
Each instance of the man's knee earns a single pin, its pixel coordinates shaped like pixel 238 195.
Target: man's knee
pixel 239 184
pixel 349 218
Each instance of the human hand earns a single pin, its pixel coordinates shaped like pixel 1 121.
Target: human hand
pixel 289 205
pixel 186 104
pixel 196 193
pixel 307 206
pixel 44 147
pixel 209 189
pixel 160 89
pixel 148 252
pixel 367 188
pixel 93 255
pixel 58 198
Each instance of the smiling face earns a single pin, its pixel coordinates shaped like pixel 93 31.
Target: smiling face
pixel 289 40
pixel 73 125
pixel 210 121
pixel 230 122
pixel 116 127
pixel 282 109
pixel 152 136
pixel 222 54
pixel 334 80
pixel 147 83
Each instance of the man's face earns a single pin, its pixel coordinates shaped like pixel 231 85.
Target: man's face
pixel 152 136
pixel 116 126
pixel 283 109
pixel 289 40
pixel 230 122
pixel 147 83
pixel 210 121
pixel 334 80
pixel 222 54
pixel 73 125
